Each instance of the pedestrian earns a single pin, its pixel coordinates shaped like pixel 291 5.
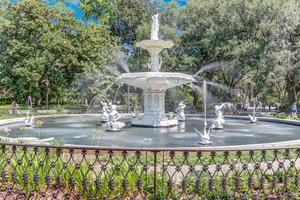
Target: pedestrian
pixel 264 106
pixel 294 110
pixel 14 107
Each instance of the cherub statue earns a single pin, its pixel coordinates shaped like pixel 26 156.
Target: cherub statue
pixel 180 112
pixel 113 116
pixel 105 111
pixel 218 123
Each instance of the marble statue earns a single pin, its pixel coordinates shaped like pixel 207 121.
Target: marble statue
pixel 204 137
pixel 154 27
pixel 105 111
pixel 29 120
pixel 113 124
pixel 134 114
pixel 219 121
pixel 253 119
pixel 180 112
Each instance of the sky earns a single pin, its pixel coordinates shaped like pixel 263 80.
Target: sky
pixel 74 4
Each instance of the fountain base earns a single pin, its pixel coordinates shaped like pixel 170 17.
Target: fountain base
pixel 113 130
pixel 204 142
pixel 217 128
pixel 150 121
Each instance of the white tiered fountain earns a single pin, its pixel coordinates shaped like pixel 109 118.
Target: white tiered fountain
pixel 154 83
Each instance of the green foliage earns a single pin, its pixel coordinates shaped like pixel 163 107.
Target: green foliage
pixel 244 35
pixel 250 46
pixel 40 43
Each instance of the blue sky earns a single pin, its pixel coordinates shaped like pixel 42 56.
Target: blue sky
pixel 74 4
pixel 180 2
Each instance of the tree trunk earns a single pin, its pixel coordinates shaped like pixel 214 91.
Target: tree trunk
pixel 291 90
pixel 86 102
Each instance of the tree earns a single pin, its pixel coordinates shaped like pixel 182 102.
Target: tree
pixel 244 35
pixel 43 44
pixel 122 16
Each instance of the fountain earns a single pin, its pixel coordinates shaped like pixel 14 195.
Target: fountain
pixel 154 83
pixel 96 103
pixel 77 130
pixel 253 119
pixel 204 137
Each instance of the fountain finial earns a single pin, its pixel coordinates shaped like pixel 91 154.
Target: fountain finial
pixel 154 27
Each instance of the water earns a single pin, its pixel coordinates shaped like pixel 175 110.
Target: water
pixel 87 130
pixel 212 66
pixel 204 98
pixel 96 103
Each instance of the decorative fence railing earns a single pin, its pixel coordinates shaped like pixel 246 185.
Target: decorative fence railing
pixel 67 172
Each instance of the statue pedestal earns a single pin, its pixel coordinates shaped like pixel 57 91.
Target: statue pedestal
pixel 150 121
pixel 154 111
pixel 204 142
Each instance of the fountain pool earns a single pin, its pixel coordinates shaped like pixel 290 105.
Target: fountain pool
pixel 87 130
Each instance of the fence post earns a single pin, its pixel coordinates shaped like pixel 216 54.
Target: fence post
pixel 154 183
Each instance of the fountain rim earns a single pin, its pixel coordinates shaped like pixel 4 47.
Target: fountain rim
pixel 260 146
pixel 146 44
pixel 175 78
pixel 171 75
pixel 157 73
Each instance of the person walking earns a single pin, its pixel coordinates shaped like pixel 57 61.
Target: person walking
pixel 263 106
pixel 294 109
pixel 14 107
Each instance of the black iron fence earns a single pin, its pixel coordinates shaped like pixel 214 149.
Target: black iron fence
pixel 72 172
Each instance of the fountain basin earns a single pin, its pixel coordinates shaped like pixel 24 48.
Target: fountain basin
pixel 86 130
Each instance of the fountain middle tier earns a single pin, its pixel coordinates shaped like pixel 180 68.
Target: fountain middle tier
pixel 154 85
pixel 155 81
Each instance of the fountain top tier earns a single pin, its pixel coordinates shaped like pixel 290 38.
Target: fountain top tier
pixel 155 46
